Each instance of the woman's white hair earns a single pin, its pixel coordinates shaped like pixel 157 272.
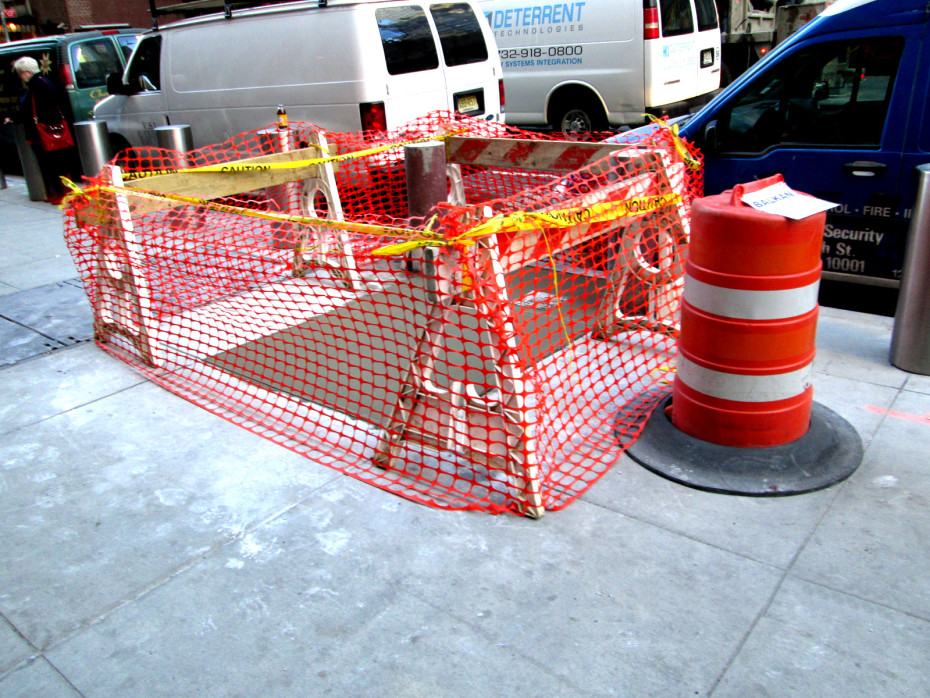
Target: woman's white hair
pixel 27 65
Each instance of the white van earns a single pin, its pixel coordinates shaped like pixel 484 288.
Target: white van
pixel 584 65
pixel 345 66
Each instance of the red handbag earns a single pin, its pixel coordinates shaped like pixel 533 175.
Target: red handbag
pixel 52 136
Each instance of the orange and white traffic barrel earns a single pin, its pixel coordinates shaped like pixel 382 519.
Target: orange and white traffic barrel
pixel 741 417
pixel 748 323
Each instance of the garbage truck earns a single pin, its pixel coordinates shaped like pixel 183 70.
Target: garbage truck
pixel 750 28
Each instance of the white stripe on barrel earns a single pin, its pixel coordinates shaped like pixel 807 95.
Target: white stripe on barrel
pixel 743 387
pixel 748 304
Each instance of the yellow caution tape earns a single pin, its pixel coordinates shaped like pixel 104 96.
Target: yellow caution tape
pixel 75 191
pixel 416 238
pixel 529 220
pixel 665 369
pixel 350 226
pixel 692 162
pixel 242 166
pixel 598 213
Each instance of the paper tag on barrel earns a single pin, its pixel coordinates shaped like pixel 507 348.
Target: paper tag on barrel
pixel 781 200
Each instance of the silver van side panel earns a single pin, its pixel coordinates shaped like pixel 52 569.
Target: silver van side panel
pixel 591 56
pixel 224 78
pixel 595 44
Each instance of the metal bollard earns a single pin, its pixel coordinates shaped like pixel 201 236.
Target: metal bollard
pixel 35 184
pixel 93 144
pixel 286 196
pixel 177 138
pixel 910 338
pixel 2 180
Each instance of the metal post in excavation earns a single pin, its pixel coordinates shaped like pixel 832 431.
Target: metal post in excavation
pixel 910 338
pixel 425 170
pixel 93 143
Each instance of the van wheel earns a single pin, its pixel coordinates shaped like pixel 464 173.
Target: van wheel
pixel 579 117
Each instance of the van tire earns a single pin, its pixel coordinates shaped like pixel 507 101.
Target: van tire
pixel 578 114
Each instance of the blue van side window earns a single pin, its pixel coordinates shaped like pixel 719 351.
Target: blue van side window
pixel 407 40
pixel 832 94
pixel 127 42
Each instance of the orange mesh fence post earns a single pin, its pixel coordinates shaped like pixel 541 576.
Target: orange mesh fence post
pixel 270 281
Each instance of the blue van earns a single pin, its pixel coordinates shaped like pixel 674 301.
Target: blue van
pixel 841 110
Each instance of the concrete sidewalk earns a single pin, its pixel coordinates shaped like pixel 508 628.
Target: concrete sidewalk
pixel 152 549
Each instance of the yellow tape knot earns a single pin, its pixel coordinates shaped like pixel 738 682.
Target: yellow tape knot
pixel 680 145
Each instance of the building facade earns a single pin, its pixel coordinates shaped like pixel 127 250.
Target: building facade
pixel 24 19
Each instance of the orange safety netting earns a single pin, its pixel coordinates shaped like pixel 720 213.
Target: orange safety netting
pixel 499 353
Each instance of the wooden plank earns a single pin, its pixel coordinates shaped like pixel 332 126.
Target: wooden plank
pixel 243 175
pixel 550 156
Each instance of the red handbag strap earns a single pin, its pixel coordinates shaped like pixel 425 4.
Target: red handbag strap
pixel 35 114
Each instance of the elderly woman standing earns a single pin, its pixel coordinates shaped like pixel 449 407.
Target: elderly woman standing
pixel 40 101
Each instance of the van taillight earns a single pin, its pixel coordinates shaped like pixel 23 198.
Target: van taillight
pixel 500 89
pixel 650 19
pixel 67 79
pixel 373 116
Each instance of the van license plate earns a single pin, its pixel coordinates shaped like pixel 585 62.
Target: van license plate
pixel 467 103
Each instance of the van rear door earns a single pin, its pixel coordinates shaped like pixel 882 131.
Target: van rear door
pixel 470 81
pixel 415 81
pixel 91 60
pixel 707 68
pixel 673 51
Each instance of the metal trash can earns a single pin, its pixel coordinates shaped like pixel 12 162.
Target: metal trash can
pixel 93 143
pixel 32 173
pixel 910 339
